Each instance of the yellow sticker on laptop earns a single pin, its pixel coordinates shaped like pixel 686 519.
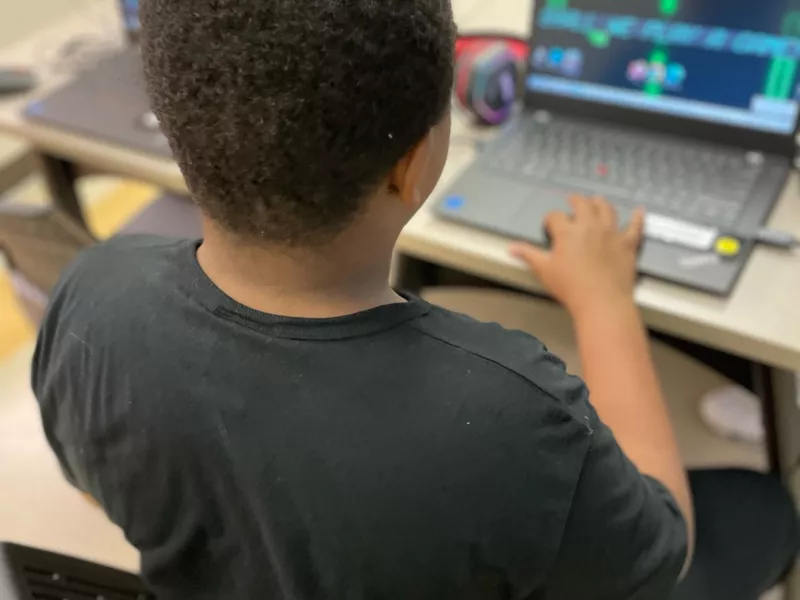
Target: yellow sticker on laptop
pixel 728 246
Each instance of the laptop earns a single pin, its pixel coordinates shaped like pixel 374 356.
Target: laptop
pixel 688 109
pixel 108 101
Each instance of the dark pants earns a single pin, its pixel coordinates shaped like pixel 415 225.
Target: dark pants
pixel 747 535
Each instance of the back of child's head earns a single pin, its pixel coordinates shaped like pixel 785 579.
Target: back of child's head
pixel 286 115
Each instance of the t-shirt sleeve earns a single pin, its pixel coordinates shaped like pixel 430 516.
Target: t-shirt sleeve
pixel 625 537
pixel 47 380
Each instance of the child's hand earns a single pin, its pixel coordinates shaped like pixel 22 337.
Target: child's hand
pixel 590 260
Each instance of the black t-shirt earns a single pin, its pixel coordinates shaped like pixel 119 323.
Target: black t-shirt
pixel 405 452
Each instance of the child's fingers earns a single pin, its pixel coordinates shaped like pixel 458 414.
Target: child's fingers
pixel 535 258
pixel 581 207
pixel 555 222
pixel 635 229
pixel 606 213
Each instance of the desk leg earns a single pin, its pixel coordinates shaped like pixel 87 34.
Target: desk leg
pixel 60 177
pixel 778 390
pixel 763 381
pixel 787 429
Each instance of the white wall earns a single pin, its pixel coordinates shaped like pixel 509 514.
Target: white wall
pixel 20 18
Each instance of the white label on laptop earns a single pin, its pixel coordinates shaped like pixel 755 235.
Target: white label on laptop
pixel 681 233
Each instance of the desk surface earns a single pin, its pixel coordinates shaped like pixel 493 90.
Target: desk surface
pixel 760 320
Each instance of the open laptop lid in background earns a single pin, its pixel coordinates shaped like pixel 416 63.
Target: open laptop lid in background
pixel 723 70
pixel 130 19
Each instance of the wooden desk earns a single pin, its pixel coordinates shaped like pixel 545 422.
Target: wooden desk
pixel 759 321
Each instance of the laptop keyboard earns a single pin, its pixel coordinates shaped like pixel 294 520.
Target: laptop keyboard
pixel 695 183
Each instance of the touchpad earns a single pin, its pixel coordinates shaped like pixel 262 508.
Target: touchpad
pixel 511 208
pixel 528 222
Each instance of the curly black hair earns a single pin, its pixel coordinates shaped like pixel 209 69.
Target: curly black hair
pixel 284 115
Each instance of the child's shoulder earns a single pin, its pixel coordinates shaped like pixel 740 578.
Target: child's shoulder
pixel 123 269
pixel 514 353
pixel 123 256
pixel 127 249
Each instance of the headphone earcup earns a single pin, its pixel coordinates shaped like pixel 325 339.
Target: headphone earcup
pixel 487 82
pixel 464 76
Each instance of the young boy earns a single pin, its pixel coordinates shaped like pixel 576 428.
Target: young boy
pixel 265 417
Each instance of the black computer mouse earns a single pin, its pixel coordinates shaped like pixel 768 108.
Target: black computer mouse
pixel 16 80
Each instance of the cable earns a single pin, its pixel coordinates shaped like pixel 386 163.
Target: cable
pixel 776 239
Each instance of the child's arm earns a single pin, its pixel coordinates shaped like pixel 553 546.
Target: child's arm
pixel 591 269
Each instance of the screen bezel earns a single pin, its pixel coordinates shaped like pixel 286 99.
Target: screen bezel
pixel 752 139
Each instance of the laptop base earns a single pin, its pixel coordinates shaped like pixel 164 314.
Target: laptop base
pixel 515 208
pixel 107 102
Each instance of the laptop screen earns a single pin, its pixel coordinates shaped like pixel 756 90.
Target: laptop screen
pixel 729 62
pixel 130 16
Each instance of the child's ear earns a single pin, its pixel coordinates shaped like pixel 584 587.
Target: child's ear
pixel 407 175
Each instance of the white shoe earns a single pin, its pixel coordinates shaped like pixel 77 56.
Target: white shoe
pixel 733 412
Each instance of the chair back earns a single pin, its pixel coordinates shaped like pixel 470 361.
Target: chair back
pixel 27 573
pixel 39 242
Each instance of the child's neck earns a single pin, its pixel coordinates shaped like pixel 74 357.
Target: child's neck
pixel 341 278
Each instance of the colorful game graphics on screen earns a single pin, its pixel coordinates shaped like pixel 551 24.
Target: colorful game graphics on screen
pixel 562 61
pixel 671 76
pixel 730 63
